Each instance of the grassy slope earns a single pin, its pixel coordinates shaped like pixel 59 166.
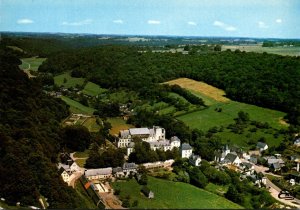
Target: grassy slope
pixel 92 89
pixel 172 195
pixel 34 63
pixel 88 202
pixel 208 118
pixel 117 125
pixel 77 106
pixel 71 81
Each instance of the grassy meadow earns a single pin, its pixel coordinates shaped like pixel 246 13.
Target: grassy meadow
pixel 33 63
pixel 77 107
pixel 168 194
pixel 93 89
pixel 70 81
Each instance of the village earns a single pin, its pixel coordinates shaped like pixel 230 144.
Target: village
pixel 253 165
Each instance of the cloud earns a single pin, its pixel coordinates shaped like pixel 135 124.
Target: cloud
pixel 25 21
pixel 224 26
pixel 79 23
pixel 119 21
pixel 153 22
pixel 262 24
pixel 192 23
pixel 278 20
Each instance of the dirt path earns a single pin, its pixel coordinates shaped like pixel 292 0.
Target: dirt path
pixel 27 71
pixel 110 200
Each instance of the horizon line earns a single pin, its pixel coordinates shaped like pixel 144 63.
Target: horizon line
pixel 144 35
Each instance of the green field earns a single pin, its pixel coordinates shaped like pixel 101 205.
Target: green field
pixel 208 118
pixel 243 139
pixel 93 89
pixel 168 194
pixel 31 63
pixel 91 124
pixel 216 189
pixel 70 81
pixel 77 107
pixel 291 51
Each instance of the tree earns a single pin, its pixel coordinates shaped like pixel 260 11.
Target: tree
pixel 232 194
pixel 198 178
pixel 218 48
pixel 76 137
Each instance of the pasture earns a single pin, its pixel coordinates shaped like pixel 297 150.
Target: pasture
pixel 92 89
pixel 214 98
pixel 76 107
pixel 67 80
pixel 280 50
pixel 31 63
pixel 168 194
pixel 209 117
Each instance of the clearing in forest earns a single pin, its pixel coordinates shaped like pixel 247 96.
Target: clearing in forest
pixel 205 89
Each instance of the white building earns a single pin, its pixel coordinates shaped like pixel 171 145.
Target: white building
pixel 154 136
pixel 64 174
pixel 149 135
pixel 186 150
pixel 100 173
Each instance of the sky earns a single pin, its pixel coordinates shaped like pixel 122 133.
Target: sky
pixel 226 18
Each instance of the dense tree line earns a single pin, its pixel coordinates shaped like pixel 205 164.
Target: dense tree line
pixel 30 140
pixel 187 95
pixel 262 79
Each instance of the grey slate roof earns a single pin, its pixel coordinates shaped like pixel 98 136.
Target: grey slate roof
pixel 186 146
pixel 175 138
pixel 276 165
pixel 139 131
pixel 117 169
pixel 261 145
pixel 231 157
pixel 160 143
pixel 99 171
pixel 129 166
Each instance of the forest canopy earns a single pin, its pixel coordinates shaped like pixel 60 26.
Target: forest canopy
pixel 265 80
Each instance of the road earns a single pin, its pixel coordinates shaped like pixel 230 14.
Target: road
pixel 76 175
